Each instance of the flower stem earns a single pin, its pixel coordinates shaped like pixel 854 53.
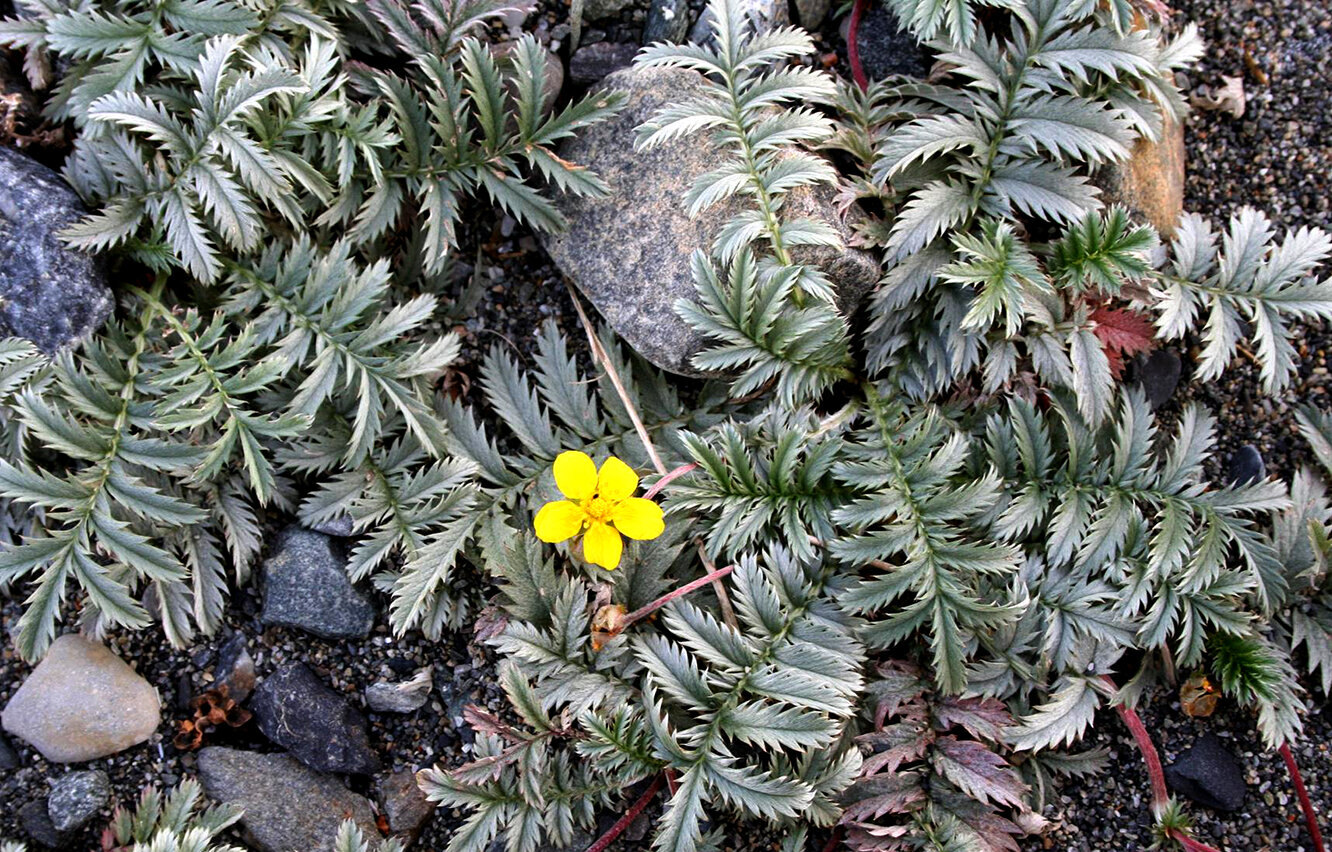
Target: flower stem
pixel 1310 817
pixel 1160 795
pixel 644 611
pixel 629 816
pixel 601 357
pixel 666 480
pixel 853 48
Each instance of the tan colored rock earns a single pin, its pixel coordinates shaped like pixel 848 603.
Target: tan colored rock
pixel 82 702
pixel 1151 183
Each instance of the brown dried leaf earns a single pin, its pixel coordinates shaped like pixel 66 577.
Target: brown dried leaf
pixel 607 624
pixel 1228 97
pixel 1198 696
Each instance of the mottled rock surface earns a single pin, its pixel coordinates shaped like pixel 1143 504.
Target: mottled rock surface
pixel 82 702
pixel 592 62
pixel 667 20
pixel 629 252
pixel 50 294
pixel 76 797
pixel 288 808
pixel 306 587
pixel 298 712
pixel 1151 183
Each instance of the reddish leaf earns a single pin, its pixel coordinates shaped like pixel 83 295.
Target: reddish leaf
pixel 895 745
pixel 993 833
pixel 983 718
pixel 871 798
pixel 978 772
pixel 1122 332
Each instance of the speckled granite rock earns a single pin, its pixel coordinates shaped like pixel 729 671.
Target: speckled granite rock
pixel 288 808
pixel 50 294
pixel 886 47
pixel 667 20
pixel 82 702
pixel 298 712
pixel 629 252
pixel 306 587
pixel 76 797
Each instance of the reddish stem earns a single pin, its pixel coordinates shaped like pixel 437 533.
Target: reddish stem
pixel 629 816
pixel 853 47
pixel 1160 795
pixel 1189 843
pixel 833 839
pixel 1310 818
pixel 645 611
pixel 661 483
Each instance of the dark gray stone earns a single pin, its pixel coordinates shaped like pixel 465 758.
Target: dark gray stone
pixel 235 668
pixel 591 62
pixel 339 527
pixel 886 48
pixel 76 797
pixel 667 20
pixel 810 13
pixel 1158 373
pixel 1208 774
pixel 600 10
pixel 287 806
pixel 9 759
pixel 1245 466
pixel 50 294
pixel 306 587
pixel 298 712
pixel 37 825
pixel 629 252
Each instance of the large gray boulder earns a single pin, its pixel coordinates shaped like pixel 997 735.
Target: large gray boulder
pixel 629 252
pixel 49 293
pixel 288 807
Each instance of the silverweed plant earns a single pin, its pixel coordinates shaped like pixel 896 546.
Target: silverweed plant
pixel 884 568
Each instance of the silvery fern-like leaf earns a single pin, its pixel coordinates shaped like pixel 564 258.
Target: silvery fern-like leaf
pixel 777 319
pixel 1061 720
pixel 1250 279
pixel 909 523
pixel 1092 382
pixel 350 838
pixel 748 315
pixel 957 18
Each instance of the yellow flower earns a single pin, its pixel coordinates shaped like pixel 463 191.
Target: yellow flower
pixel 602 503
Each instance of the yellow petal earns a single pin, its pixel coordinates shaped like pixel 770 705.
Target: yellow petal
pixel 617 480
pixel 602 546
pixel 638 518
pixel 558 521
pixel 575 474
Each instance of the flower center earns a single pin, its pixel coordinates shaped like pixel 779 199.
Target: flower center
pixel 599 509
